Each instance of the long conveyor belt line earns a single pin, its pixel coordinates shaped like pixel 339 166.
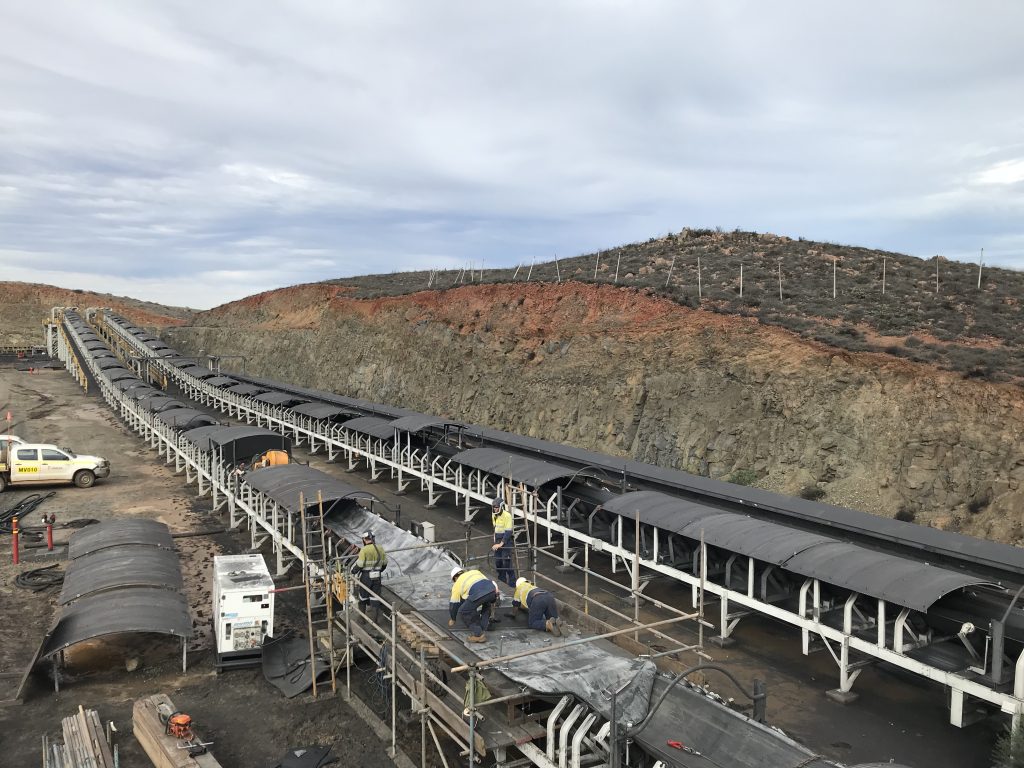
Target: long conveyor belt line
pixel 855 628
pixel 570 734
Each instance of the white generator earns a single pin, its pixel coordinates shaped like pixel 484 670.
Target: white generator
pixel 243 609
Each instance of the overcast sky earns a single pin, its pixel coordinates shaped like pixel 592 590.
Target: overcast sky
pixel 194 153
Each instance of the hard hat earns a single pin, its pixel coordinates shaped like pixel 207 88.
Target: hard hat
pixel 368 535
pixel 520 581
pixel 456 571
pixel 496 502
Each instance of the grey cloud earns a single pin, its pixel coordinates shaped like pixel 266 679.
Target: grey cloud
pixel 279 143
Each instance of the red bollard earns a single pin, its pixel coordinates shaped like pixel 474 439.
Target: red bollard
pixel 14 540
pixel 49 536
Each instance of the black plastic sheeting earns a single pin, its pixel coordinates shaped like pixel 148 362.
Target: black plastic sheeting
pixel 372 426
pixel 142 392
pixel 721 736
pixel 129 565
pixel 134 609
pixel 286 664
pixel 185 418
pixel 115 533
pixel 286 484
pixel 589 671
pixel 319 410
pixel 109 364
pixel 422 578
pixel 306 757
pixel 221 381
pixel 520 469
pixel 279 398
pixel 115 375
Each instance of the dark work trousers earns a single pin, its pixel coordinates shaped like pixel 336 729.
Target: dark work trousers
pixel 542 607
pixel 366 583
pixel 503 562
pixel 475 610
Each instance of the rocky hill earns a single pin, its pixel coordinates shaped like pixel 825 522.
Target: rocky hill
pixel 858 299
pixel 631 373
pixel 23 306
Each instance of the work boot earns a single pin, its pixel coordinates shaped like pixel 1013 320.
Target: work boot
pixel 551 625
pixel 477 638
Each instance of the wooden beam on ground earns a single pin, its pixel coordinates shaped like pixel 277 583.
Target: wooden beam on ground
pixel 163 750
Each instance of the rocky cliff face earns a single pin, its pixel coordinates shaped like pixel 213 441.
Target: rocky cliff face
pixel 624 373
pixel 23 307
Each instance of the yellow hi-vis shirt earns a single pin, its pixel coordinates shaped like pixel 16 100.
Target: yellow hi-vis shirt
pixel 524 589
pixel 465 580
pixel 502 521
pixel 371 557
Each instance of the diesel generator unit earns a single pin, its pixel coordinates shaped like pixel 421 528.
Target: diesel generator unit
pixel 243 609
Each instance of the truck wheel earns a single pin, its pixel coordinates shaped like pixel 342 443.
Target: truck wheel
pixel 84 478
pixel 3 484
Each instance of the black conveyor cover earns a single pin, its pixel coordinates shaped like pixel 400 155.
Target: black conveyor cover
pixel 115 533
pixel 133 609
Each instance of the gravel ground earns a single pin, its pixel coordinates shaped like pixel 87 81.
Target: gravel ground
pixel 249 722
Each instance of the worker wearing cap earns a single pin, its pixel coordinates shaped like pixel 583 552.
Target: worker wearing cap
pixel 542 611
pixel 472 596
pixel 502 521
pixel 370 564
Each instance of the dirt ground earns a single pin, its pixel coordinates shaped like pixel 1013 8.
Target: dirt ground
pixel 249 722
pixel 896 717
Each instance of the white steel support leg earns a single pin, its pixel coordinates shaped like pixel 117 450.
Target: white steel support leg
pixel 563 735
pixel 577 739
pixel 552 724
pixel 881 624
pixel 805 633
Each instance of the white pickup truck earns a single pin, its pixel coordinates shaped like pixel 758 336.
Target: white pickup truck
pixel 24 463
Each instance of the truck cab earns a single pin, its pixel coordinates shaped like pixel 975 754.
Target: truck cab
pixel 24 463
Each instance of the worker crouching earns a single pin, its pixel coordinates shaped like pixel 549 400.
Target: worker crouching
pixel 471 600
pixel 542 611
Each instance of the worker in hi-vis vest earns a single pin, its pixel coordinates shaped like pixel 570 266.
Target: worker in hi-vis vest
pixel 370 564
pixel 542 611
pixel 502 520
pixel 472 595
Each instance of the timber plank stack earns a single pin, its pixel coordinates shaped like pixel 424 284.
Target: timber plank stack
pixel 85 745
pixel 163 750
pixel 419 639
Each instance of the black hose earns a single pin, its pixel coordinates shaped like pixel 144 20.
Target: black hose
pixel 22 509
pixel 40 579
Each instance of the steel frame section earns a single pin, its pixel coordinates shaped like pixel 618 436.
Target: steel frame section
pixel 470 485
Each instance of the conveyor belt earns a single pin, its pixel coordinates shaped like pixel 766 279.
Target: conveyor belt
pixel 990 560
pixel 420 576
